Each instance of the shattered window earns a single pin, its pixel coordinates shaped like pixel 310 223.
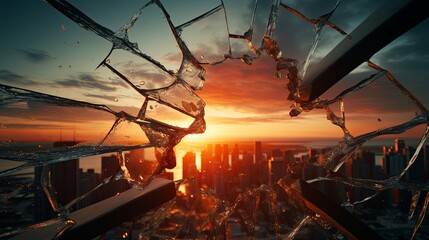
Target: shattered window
pixel 276 119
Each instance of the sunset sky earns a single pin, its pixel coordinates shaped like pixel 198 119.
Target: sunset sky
pixel 44 51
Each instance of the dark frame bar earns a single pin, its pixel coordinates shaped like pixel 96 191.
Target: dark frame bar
pixel 98 218
pixel 319 203
pixel 385 24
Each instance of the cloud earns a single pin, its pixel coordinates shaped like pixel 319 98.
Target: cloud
pixel 35 55
pixel 34 111
pixel 11 78
pixel 152 79
pixel 268 118
pixel 379 97
pixel 234 86
pixel 175 57
pixel 296 35
pixel 90 82
pixel 31 126
pixel 105 97
pixel 407 53
pixel 138 71
pixel 253 89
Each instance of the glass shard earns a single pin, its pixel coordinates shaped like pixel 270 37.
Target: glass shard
pixel 212 43
pixel 136 71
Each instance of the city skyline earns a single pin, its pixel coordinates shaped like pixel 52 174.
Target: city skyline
pixel 242 101
pixel 247 147
pixel 231 169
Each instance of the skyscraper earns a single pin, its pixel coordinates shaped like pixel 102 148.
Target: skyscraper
pixel 64 178
pixel 248 171
pixel 400 146
pixel 417 171
pixel 87 181
pixel 235 161
pixel 109 167
pixel 189 168
pixel 210 150
pixel 395 162
pixel 207 166
pixel 217 154
pixel 225 158
pixel 277 169
pixel 42 207
pixel 258 152
pixel 361 165
pixel 261 167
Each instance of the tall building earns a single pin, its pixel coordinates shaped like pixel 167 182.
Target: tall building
pixel 400 146
pixel 235 161
pixel 207 166
pixel 217 158
pixel 64 178
pixel 312 152
pixel 394 162
pixel 261 166
pixel 264 172
pixel 248 176
pixel 277 169
pixel 42 208
pixel 364 164
pixel 294 169
pixel 417 171
pixel 87 181
pixel 258 152
pixel 189 168
pixel 210 150
pixel 310 171
pixel 109 166
pixel 361 165
pixel 225 158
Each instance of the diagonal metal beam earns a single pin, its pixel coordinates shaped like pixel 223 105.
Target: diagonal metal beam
pixel 339 217
pixel 98 218
pixel 385 24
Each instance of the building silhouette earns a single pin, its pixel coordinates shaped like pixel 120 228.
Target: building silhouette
pixel 277 169
pixel 394 161
pixel 418 171
pixel 236 162
pixel 87 181
pixel 361 165
pixel 109 167
pixel 189 168
pixel 64 179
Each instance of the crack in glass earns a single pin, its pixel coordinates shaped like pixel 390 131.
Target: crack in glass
pixel 171 92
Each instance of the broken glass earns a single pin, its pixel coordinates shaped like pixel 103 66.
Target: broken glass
pixel 163 108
